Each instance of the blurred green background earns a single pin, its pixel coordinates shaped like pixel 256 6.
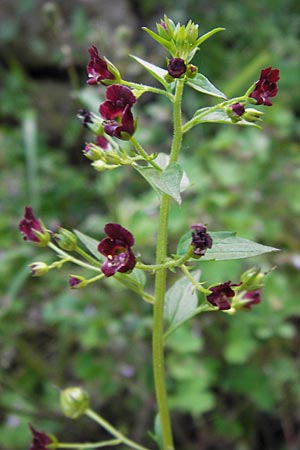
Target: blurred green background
pixel 233 381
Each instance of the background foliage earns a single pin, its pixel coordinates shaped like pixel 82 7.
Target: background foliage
pixel 233 381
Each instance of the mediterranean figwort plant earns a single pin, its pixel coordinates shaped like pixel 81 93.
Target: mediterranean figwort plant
pixel 114 256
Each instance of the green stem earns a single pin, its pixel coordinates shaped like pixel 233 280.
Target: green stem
pixel 113 431
pixel 160 287
pixel 143 87
pixel 142 152
pixel 166 265
pixel 70 258
pixel 87 445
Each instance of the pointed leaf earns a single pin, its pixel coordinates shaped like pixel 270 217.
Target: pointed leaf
pixel 181 301
pixel 225 246
pixel 201 84
pixel 218 116
pixel 206 36
pixel 167 180
pixel 155 71
pixel 169 45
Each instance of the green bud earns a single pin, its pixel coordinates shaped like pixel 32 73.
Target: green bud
pixel 252 279
pixel 100 166
pixel 74 402
pixel 66 239
pixel 191 71
pixel 252 115
pixel 38 269
pixel 112 158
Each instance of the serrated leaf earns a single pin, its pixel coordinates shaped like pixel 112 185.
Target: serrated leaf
pixel 167 180
pixel 219 116
pixel 225 246
pixel 181 301
pixel 201 84
pixel 135 280
pixel 157 72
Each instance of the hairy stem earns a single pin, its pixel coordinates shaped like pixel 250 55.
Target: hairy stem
pixel 160 287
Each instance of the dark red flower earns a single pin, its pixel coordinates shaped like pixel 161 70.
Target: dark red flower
pixel 40 440
pixel 252 297
pixel 117 249
pixel 238 109
pixel 123 130
pixel 221 294
pixel 97 68
pixel 176 67
pixel 117 98
pixel 200 239
pixel 266 86
pixel 29 225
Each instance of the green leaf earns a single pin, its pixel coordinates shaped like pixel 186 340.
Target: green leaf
pixel 225 246
pixel 218 116
pixel 157 72
pixel 135 280
pixel 206 36
pixel 91 244
pixel 201 84
pixel 167 180
pixel 181 301
pixel 169 45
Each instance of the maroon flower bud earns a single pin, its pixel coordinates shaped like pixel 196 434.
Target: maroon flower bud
pixel 76 282
pixel 221 294
pixel 102 142
pixel 238 109
pixel 200 239
pixel 97 68
pixel 117 98
pixel 176 67
pixel 40 440
pixel 251 298
pixel 266 86
pixel 117 249
pixel 123 130
pixel 32 229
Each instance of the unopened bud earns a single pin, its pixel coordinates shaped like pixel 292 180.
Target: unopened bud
pixel 39 269
pixel 252 115
pixel 100 166
pixel 66 239
pixel 74 402
pixel 77 282
pixel 252 279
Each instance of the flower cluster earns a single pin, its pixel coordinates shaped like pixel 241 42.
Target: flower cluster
pixel 225 297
